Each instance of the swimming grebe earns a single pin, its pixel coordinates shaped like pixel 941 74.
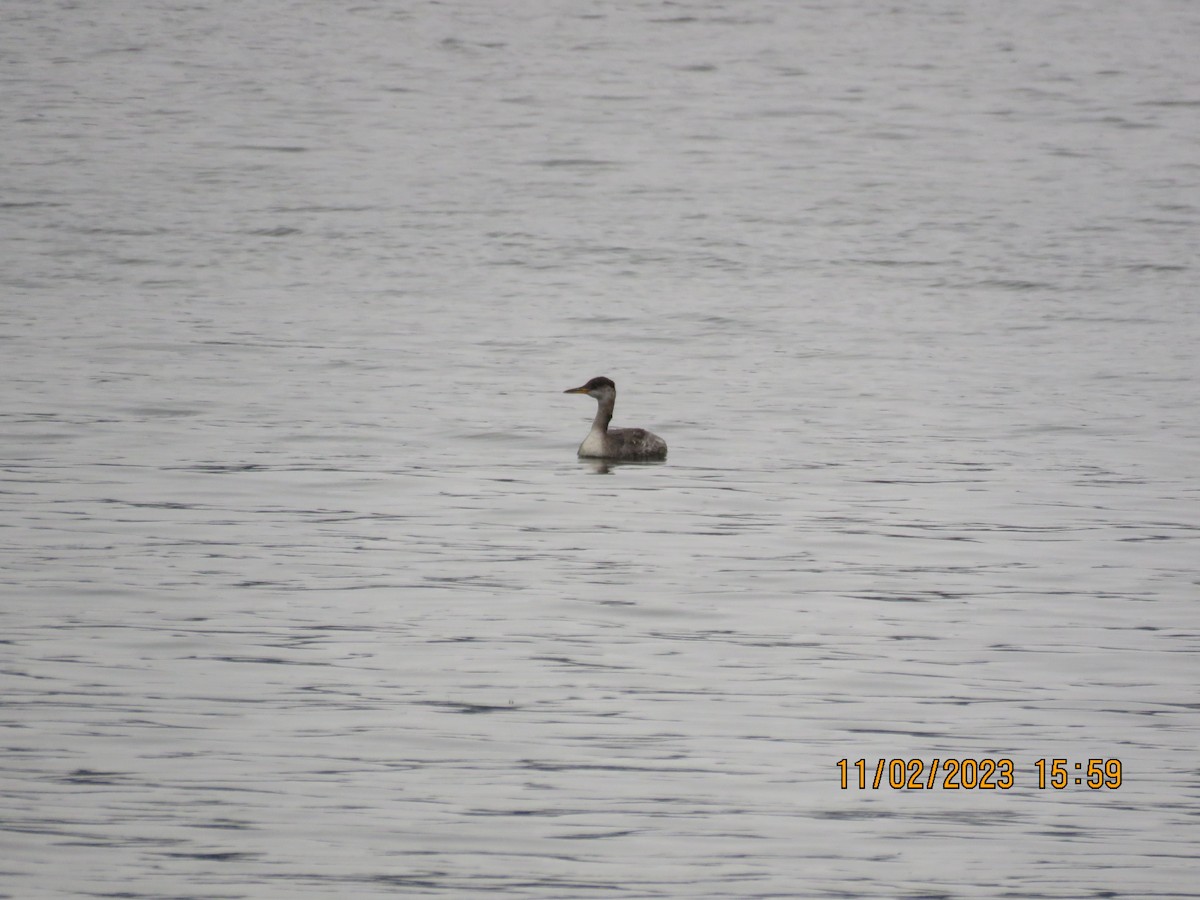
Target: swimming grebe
pixel 615 443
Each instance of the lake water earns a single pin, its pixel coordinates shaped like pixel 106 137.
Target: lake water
pixel 306 594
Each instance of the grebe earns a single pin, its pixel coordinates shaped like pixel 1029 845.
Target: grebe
pixel 616 443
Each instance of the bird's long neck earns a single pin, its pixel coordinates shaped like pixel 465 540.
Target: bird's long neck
pixel 604 412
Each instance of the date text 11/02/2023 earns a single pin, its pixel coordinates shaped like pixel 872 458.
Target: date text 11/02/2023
pixel 976 774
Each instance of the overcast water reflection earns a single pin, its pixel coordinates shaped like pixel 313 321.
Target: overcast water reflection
pixel 305 592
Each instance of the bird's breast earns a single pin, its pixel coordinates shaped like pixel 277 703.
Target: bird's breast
pixel 593 444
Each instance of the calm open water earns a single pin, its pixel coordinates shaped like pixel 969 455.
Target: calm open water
pixel 305 593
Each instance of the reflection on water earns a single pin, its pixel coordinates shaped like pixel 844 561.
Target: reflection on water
pixel 307 593
pixel 608 466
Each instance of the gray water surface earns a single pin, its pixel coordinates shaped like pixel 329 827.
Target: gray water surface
pixel 305 592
